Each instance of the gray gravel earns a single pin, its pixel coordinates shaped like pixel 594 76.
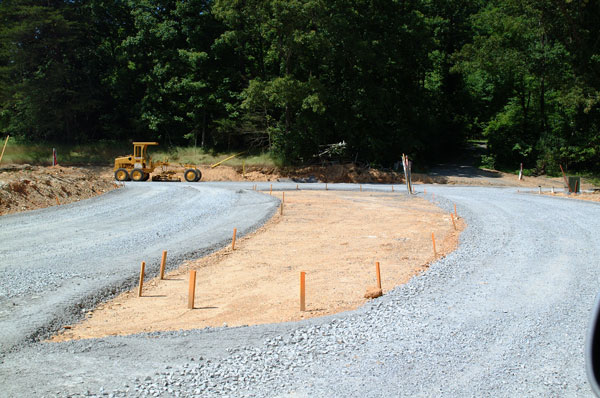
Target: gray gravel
pixel 504 315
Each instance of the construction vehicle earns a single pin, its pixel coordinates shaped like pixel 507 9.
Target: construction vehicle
pixel 139 166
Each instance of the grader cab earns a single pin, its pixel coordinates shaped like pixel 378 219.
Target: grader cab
pixel 139 166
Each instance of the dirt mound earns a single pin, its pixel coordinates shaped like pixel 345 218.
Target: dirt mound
pixel 348 173
pixel 338 173
pixel 373 292
pixel 25 187
pixel 351 173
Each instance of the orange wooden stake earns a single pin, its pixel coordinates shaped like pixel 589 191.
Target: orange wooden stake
pixel 302 291
pixel 192 290
pixel 281 209
pixel 392 188
pixel 378 274
pixel 163 262
pixel 271 190
pixel 57 201
pixel 361 188
pixel 297 187
pixel 455 213
pixel 233 241
pixel 433 240
pixel 453 222
pixel 283 198
pixel 326 187
pixel 141 279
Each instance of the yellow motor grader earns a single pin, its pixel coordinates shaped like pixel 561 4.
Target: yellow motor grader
pixel 139 166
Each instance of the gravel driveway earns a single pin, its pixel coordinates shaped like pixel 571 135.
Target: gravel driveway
pixel 503 316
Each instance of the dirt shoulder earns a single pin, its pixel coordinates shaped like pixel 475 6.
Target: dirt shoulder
pixel 335 237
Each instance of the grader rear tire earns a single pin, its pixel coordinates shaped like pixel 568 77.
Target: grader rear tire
pixel 190 175
pixel 137 175
pixel 198 175
pixel 121 175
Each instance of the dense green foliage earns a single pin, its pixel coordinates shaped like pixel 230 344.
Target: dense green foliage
pixel 295 76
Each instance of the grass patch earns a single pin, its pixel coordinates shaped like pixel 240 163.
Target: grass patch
pixel 104 153
pixel 199 156
pixel 100 153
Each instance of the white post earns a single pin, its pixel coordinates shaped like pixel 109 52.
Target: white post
pixel 521 172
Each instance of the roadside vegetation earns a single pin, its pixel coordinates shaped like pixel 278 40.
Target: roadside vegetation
pixel 104 153
pixel 200 156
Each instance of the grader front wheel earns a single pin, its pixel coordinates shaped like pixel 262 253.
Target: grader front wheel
pixel 121 175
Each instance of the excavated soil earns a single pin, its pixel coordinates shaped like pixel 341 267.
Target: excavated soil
pixel 335 237
pixel 25 187
pixel 347 173
pixel 351 173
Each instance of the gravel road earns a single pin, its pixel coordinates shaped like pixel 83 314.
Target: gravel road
pixel 503 316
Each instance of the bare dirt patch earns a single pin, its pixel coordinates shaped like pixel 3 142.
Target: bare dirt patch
pixel 335 237
pixel 25 187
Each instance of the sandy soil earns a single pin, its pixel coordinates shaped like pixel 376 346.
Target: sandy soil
pixel 335 237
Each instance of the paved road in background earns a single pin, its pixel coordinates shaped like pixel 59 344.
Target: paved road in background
pixel 503 316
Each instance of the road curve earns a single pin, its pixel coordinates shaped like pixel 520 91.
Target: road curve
pixel 61 260
pixel 505 315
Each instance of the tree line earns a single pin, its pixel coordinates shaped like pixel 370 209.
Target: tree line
pixel 295 77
